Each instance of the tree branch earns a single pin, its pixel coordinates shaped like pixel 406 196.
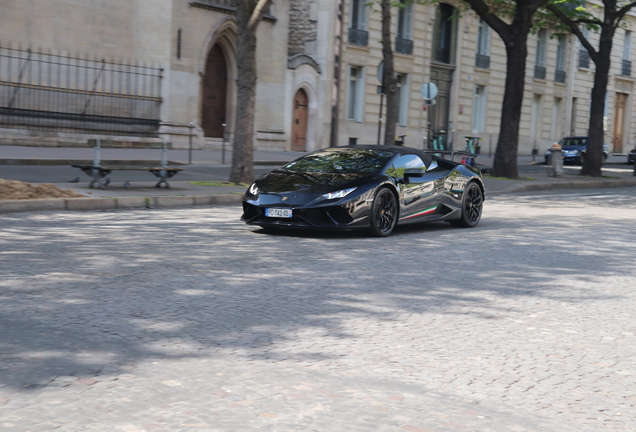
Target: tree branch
pixel 496 23
pixel 575 29
pixel 623 11
pixel 257 14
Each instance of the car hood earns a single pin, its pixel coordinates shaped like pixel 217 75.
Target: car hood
pixel 288 182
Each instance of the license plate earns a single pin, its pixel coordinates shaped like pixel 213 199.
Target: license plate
pixel 278 213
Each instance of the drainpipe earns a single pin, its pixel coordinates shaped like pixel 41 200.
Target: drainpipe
pixel 335 87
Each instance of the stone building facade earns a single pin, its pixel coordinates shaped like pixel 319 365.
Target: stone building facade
pixel 466 60
pixel 143 70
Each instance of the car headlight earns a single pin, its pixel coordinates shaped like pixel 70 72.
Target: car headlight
pixel 339 194
pixel 253 190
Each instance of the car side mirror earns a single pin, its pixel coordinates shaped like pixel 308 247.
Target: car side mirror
pixel 413 172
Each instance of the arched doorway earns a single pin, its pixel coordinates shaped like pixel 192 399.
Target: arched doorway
pixel 213 111
pixel 299 125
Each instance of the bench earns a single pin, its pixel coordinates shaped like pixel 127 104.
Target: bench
pixel 97 172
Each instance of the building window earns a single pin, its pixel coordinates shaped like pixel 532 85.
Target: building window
pixel 559 73
pixel 358 34
pixel 479 110
pixel 445 31
pixel 539 63
pixel 584 56
pixel 626 69
pixel 535 121
pixel 355 93
pixel 403 99
pixel 404 39
pixel 483 45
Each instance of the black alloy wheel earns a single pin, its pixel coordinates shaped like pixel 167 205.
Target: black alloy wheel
pixel 384 213
pixel 472 206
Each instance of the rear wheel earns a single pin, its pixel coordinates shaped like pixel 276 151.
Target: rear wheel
pixel 472 206
pixel 384 213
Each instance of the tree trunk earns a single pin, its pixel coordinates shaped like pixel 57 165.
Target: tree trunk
pixel 505 163
pixel 243 148
pixel 593 160
pixel 389 80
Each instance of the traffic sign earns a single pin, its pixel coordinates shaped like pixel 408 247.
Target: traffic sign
pixel 381 72
pixel 429 91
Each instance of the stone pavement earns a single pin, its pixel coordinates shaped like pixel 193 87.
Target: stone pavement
pixel 188 320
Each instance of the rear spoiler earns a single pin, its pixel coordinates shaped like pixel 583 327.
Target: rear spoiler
pixel 452 153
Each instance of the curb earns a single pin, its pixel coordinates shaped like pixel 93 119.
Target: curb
pixel 594 184
pixel 112 162
pixel 65 162
pixel 124 203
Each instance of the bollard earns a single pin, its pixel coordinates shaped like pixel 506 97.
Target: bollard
pixel 555 161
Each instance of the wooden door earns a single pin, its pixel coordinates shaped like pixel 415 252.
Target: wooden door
pixel 619 122
pixel 438 114
pixel 214 94
pixel 299 125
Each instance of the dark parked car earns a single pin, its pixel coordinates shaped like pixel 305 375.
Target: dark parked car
pixel 631 156
pixel 368 187
pixel 574 149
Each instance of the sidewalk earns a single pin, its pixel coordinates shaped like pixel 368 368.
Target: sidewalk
pixel 533 177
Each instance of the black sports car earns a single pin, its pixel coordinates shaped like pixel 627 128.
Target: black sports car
pixel 372 187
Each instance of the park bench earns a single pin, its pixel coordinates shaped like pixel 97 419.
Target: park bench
pixel 97 172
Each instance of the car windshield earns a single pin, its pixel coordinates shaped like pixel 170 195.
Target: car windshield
pixel 577 141
pixel 341 161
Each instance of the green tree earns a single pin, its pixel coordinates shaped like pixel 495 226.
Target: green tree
pixel 248 16
pixel 513 21
pixel 612 16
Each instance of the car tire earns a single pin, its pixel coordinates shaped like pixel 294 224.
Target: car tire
pixel 581 159
pixel 472 207
pixel 384 213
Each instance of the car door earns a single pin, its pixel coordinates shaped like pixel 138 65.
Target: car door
pixel 417 194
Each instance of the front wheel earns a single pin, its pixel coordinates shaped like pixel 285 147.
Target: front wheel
pixel 472 206
pixel 384 213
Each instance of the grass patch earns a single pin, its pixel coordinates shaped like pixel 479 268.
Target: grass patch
pixel 218 183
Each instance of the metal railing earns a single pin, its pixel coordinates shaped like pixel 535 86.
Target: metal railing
pixel 403 46
pixel 358 37
pixel 559 76
pixel 626 68
pixel 584 59
pixel 482 61
pixel 63 93
pixel 539 72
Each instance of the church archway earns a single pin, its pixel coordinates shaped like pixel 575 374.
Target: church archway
pixel 215 90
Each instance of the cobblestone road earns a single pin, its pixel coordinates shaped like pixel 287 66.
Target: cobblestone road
pixel 187 320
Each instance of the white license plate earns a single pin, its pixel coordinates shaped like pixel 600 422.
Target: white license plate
pixel 278 213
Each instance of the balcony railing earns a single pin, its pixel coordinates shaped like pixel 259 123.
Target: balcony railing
pixel 559 76
pixel 482 61
pixel 539 72
pixel 358 37
pixel 584 59
pixel 626 69
pixel 404 46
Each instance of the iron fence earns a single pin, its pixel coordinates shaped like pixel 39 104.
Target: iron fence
pixel 59 92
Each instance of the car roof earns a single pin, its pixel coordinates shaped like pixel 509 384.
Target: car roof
pixel 426 158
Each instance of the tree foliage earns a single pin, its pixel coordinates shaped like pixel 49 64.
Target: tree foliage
pixel 606 22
